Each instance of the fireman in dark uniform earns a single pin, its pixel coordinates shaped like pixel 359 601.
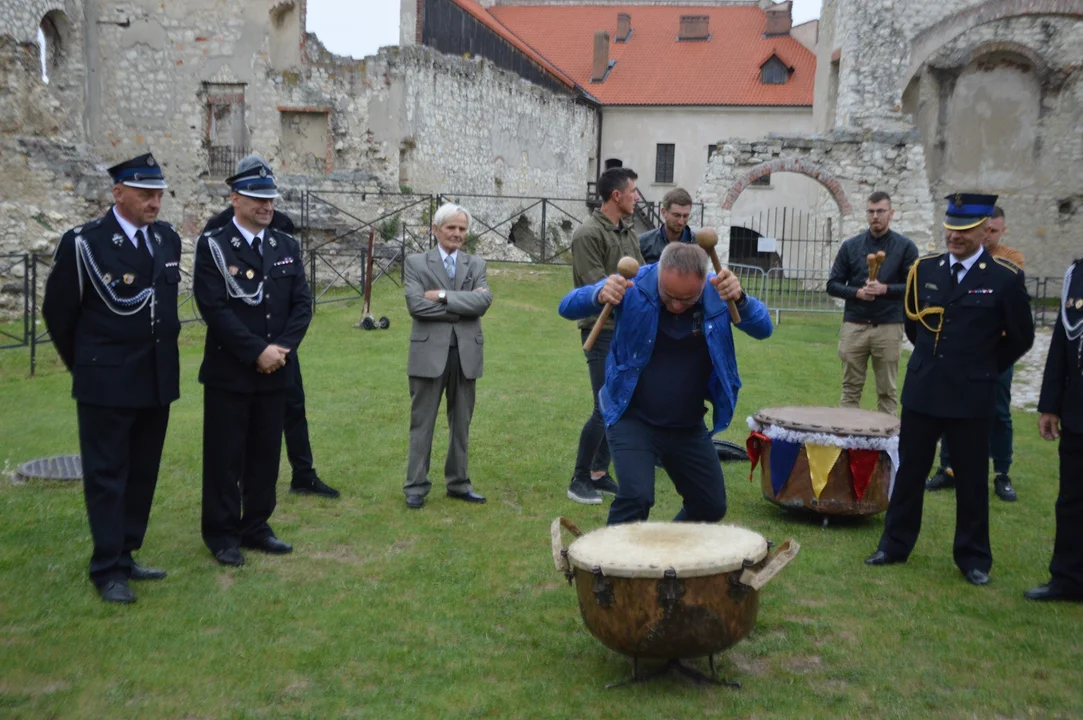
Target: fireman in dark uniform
pixel 111 309
pixel 968 315
pixel 1061 408
pixel 251 290
pixel 298 446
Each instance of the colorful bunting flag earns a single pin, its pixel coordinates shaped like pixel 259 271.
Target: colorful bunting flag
pixel 821 458
pixel 862 465
pixel 754 445
pixel 783 456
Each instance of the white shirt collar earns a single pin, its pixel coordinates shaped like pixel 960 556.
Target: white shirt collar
pixel 249 237
pixel 444 254
pixel 968 262
pixel 130 229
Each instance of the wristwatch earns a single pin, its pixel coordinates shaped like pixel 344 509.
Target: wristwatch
pixel 442 295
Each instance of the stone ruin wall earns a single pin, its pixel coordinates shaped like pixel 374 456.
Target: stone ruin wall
pixel 408 118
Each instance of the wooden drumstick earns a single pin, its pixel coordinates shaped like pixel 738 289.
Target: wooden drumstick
pixel 627 267
pixel 880 257
pixel 707 239
pixel 871 260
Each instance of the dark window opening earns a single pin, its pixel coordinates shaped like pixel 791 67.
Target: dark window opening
pixel 762 181
pixel 663 164
pixel 774 72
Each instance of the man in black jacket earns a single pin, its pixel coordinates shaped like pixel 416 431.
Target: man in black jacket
pixel 1061 408
pixel 111 309
pixel 872 325
pixel 250 286
pixel 968 315
pixel 305 481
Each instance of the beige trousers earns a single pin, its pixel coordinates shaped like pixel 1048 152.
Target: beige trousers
pixel 883 343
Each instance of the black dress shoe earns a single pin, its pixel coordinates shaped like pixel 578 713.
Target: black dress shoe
pixel 313 486
pixel 943 478
pixel 976 577
pixel 145 573
pixel 1051 592
pixel 1002 486
pixel 269 544
pixel 468 496
pixel 415 502
pixel 116 591
pixel 229 556
pixel 881 558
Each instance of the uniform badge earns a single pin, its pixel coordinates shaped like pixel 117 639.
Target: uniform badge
pixel 78 230
pixel 107 278
pixel 263 172
pixel 129 278
pixel 930 286
pixel 250 274
pixel 233 270
pixel 117 239
pixel 150 162
pixel 958 198
pixel 236 243
pixel 158 238
pixel 1079 304
pixel 941 263
pixel 981 266
pixel 274 243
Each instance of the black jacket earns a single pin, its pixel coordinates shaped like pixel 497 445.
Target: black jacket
pixel 986 326
pixel 124 361
pixel 1062 384
pixel 237 332
pixel 850 271
pixel 653 242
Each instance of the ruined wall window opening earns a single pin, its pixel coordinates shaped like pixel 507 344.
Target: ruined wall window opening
pixel 227 133
pixel 762 181
pixel 774 72
pixel 53 32
pixel 665 156
pixel 711 150
pixel 42 51
pixel 307 141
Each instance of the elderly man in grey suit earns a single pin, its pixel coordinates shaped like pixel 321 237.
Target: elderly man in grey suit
pixel 446 294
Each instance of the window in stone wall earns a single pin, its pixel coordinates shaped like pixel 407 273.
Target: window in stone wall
pixel 227 134
pixel 663 164
pixel 774 72
pixel 711 150
pixel 53 33
pixel 762 181
pixel 306 145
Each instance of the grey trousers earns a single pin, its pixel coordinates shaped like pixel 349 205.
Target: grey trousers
pixel 425 394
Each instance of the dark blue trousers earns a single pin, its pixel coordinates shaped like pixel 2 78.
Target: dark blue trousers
pixel 1000 432
pixel 688 457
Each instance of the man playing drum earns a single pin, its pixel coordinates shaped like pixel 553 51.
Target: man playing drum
pixel 672 349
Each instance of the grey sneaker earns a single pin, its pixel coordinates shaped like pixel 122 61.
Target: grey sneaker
pixel 582 491
pixel 604 485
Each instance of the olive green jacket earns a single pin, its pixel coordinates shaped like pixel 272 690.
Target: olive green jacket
pixel 597 247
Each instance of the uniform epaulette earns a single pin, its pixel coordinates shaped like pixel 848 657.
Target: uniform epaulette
pixel 216 231
pixel 1009 264
pixel 163 222
pixel 88 226
pixel 930 256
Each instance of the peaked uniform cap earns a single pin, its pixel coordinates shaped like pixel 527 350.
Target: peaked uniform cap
pixel 254 178
pixel 968 210
pixel 139 172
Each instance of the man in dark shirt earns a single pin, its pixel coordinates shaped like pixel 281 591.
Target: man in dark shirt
pixel 298 446
pixel 872 325
pixel 676 210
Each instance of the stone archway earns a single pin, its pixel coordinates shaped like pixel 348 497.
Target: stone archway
pixel 849 165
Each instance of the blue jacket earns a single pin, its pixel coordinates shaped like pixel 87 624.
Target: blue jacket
pixel 633 342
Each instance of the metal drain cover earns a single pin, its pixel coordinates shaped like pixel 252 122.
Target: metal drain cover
pixel 61 467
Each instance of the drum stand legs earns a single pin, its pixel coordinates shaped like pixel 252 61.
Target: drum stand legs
pixel 677 666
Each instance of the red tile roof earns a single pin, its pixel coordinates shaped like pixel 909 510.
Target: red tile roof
pixel 653 67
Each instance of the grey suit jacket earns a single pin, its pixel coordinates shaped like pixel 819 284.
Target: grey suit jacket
pixel 435 322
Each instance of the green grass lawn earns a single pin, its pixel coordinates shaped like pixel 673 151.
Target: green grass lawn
pixel 456 610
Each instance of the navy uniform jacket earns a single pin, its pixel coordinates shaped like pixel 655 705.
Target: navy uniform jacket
pixel 237 332
pixel 986 326
pixel 121 361
pixel 1062 385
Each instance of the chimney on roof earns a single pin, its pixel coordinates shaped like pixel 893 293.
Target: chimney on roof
pixel 694 27
pixel 779 19
pixel 601 56
pixel 624 27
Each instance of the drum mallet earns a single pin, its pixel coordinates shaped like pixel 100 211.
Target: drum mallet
pixel 627 267
pixel 875 261
pixel 707 239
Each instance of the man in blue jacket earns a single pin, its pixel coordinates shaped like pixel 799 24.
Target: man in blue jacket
pixel 672 349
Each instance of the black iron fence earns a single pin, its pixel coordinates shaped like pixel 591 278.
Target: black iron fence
pixel 222 159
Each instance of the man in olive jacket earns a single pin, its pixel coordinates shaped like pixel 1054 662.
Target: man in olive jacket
pixel 597 247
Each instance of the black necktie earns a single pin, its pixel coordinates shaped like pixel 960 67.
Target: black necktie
pixel 955 270
pixel 146 260
pixel 256 246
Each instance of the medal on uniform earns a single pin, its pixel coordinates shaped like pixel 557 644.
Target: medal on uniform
pixel 117 239
pixel 250 274
pixel 107 278
pixel 129 278
pixel 236 243
pixel 274 243
pixel 233 270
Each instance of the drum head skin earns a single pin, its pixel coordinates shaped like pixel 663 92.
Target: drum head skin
pixel 648 550
pixel 831 420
